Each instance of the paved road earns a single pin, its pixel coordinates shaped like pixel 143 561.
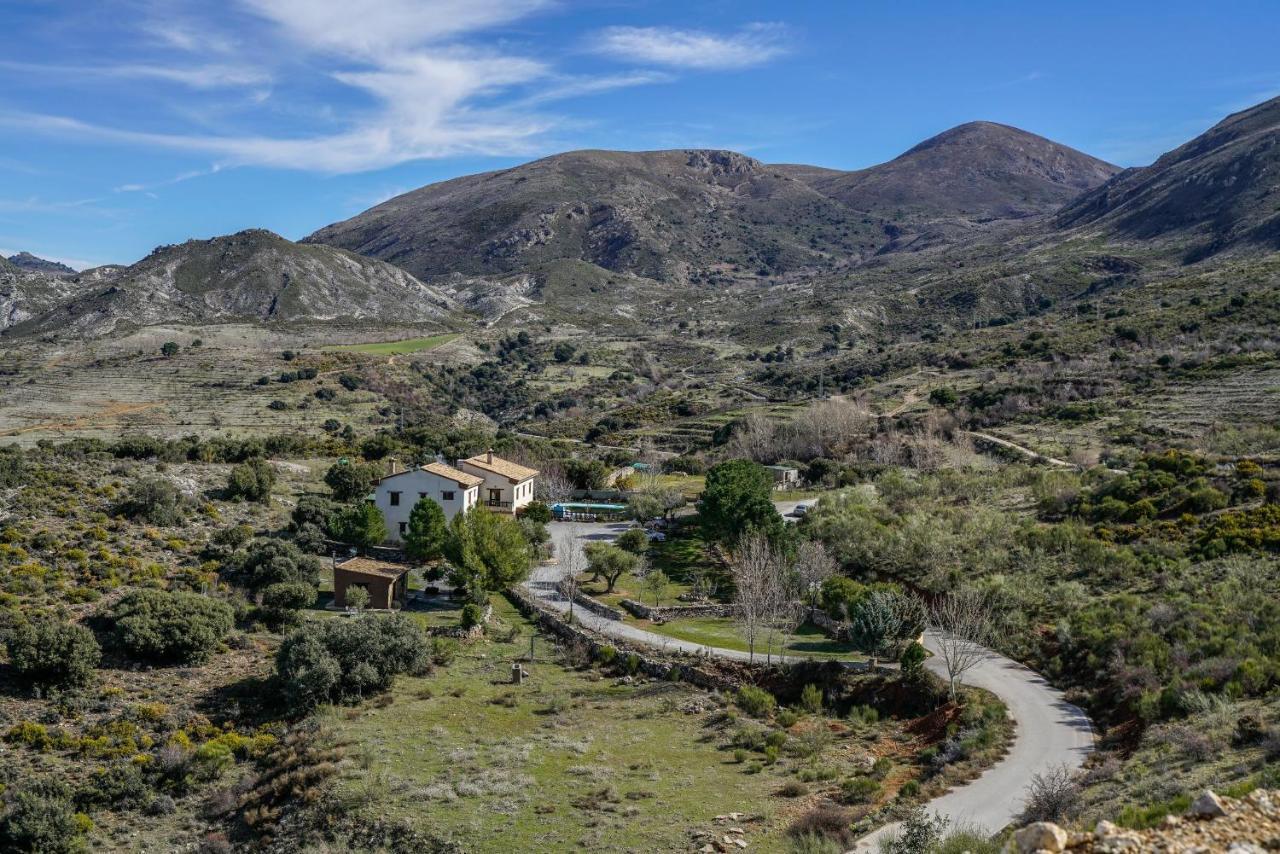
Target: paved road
pixel 1050 731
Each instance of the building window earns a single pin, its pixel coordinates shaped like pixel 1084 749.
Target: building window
pixel 404 526
pixel 447 496
pixel 395 498
pixel 421 495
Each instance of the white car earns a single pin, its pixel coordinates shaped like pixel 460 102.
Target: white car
pixel 800 510
pixel 656 536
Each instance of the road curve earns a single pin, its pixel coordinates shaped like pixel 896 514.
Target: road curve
pixel 1050 731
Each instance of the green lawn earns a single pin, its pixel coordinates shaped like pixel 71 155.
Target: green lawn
pixel 569 760
pixel 724 632
pixel 395 348
pixel 630 587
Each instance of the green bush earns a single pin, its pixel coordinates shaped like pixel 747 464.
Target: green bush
pixel 537 511
pixel 472 614
pixel 281 601
pixel 38 817
pixel 170 627
pixel 153 500
pixel 346 660
pixel 271 561
pixel 756 702
pixel 48 651
pixel 859 790
pixel 351 481
pixel 811 699
pixel 251 480
pixel 633 540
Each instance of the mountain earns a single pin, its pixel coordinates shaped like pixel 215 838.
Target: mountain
pixel 27 261
pixel 1218 191
pixel 249 276
pixel 670 216
pixel 690 216
pixel 980 171
pixel 27 293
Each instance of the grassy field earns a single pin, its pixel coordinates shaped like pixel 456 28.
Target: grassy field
pixel 395 348
pixel 724 632
pixel 569 759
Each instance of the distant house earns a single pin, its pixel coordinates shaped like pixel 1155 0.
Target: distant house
pixel 455 491
pixel 387 583
pixel 507 486
pixel 784 477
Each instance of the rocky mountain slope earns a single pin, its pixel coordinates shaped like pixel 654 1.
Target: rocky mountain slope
pixel 671 216
pixel 250 276
pixel 27 261
pixel 1220 190
pixel 695 215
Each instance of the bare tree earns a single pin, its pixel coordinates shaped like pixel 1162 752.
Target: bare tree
pixel 829 428
pixel 814 565
pixel 965 622
pixel 752 566
pixel 552 484
pixel 755 438
pixel 572 564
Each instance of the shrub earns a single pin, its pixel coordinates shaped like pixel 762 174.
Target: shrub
pixel 271 561
pixel 912 661
pixel 472 614
pixel 910 789
pixel 345 660
pixel 282 601
pixel 351 481
pixel 537 511
pixel 793 789
pixel 119 785
pixel 165 627
pixel 154 500
pixel 756 702
pixel 50 652
pixel 362 525
pixel 919 834
pixel 38 817
pixel 859 790
pixel 1052 796
pixel 633 540
pixel 811 699
pixel 251 480
pixel 830 823
pixel 424 539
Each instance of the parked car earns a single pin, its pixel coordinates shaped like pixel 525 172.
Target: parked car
pixel 800 510
pixel 656 536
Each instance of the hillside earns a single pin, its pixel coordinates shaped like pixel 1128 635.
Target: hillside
pixel 249 276
pixel 980 171
pixel 1218 191
pixel 671 216
pixel 27 261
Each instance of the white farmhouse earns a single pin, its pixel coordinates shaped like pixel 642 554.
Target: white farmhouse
pixel 507 486
pixel 455 491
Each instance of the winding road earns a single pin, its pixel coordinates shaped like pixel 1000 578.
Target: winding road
pixel 1050 731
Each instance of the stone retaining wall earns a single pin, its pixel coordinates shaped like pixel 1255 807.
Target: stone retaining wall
pixel 675 612
pixel 598 608
pixel 551 621
pixel 835 629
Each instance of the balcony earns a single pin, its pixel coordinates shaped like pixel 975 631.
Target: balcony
pixel 495 504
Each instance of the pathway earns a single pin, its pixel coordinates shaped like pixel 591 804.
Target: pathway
pixel 1050 731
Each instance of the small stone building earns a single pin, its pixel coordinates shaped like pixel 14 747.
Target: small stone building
pixel 387 583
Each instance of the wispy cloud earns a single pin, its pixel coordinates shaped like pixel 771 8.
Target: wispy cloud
pixel 415 79
pixel 193 76
pixel 754 44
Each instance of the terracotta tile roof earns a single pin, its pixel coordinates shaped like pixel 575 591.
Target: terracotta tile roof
pixel 369 566
pixel 497 465
pixel 448 472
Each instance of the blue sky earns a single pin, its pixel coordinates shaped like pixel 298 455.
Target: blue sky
pixel 125 124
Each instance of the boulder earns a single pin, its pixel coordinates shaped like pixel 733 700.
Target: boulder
pixel 1208 805
pixel 1041 836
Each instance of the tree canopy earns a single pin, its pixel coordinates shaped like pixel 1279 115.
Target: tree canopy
pixel 424 539
pixel 738 501
pixel 487 552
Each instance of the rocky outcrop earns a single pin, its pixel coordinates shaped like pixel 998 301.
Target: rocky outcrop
pixel 1213 823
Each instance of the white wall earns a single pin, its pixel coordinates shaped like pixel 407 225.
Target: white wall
pixel 415 484
pixel 518 494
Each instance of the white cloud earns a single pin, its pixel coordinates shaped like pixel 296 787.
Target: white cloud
pixel 194 76
pixel 752 45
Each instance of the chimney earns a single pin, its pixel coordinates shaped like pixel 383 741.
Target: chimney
pixel 393 466
pixel 439 458
pixel 488 458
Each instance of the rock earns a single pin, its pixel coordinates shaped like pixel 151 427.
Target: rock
pixel 1208 805
pixel 1105 828
pixel 1041 836
pixel 1171 821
